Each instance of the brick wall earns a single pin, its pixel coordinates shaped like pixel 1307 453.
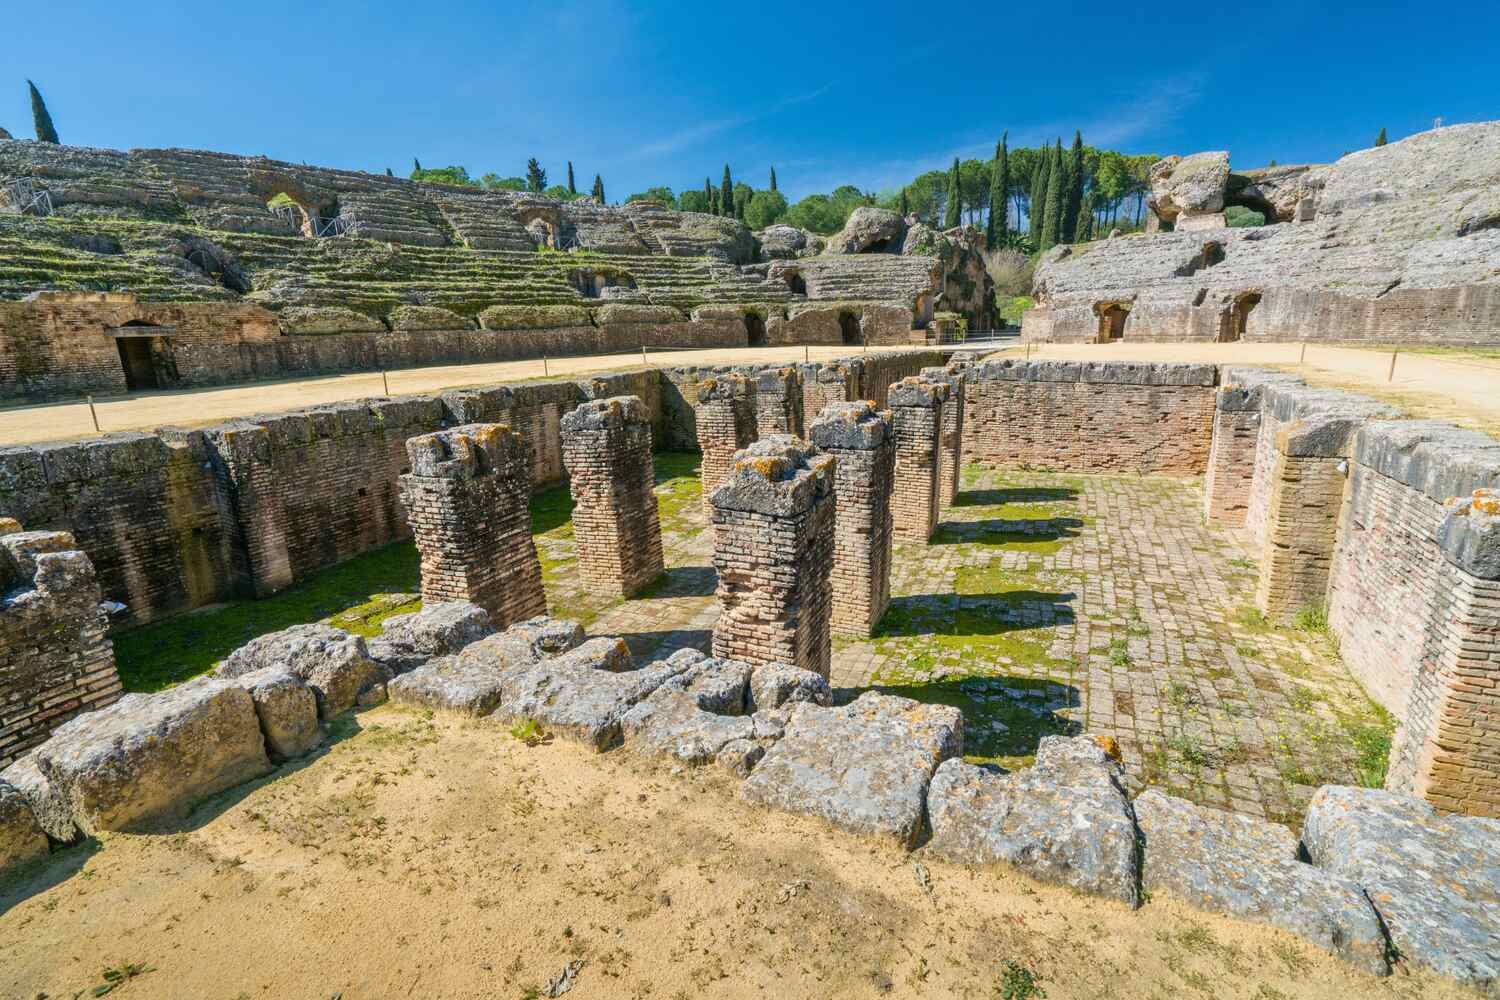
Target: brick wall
pixel 55 657
pixel 1090 416
pixel 862 443
pixel 916 422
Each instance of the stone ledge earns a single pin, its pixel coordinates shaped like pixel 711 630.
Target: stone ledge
pixel 1430 456
pixel 1103 372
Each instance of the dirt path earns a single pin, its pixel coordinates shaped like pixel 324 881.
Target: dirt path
pixel 198 407
pixel 434 858
pixel 1457 386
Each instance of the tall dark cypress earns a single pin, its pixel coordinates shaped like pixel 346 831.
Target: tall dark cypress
pixel 1037 204
pixel 726 193
pixel 1075 191
pixel 996 229
pixel 416 165
pixel 905 204
pixel 773 178
pixel 389 172
pixel 708 196
pixel 571 188
pixel 952 216
pixel 598 189
pixel 1380 139
pixel 45 132
pixel 1052 208
pixel 1084 230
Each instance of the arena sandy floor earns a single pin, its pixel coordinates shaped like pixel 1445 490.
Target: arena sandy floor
pixel 1462 387
pixel 421 857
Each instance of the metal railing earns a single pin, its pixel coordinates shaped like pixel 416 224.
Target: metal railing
pixel 325 228
pixel 977 338
pixel 23 196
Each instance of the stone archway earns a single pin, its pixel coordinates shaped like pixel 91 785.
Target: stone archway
pixel 299 208
pixel 1112 317
pixel 851 333
pixel 755 329
pixel 1239 315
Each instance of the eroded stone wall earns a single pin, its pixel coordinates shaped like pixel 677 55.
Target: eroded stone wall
pixel 726 420
pixel 607 450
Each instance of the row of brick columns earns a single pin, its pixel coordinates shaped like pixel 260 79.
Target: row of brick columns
pixel 803 529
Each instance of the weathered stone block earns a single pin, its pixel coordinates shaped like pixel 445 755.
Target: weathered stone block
pixel 49 804
pixel 287 710
pixel 334 663
pixel 21 838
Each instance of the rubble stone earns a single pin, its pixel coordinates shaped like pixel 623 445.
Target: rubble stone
pixel 335 664
pixel 287 710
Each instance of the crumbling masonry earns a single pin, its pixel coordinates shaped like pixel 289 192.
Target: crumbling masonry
pixel 778 402
pixel 726 423
pixel 950 455
pixel 467 498
pixel 55 659
pixel 863 446
pixel 917 418
pixel 773 552
pixel 607 449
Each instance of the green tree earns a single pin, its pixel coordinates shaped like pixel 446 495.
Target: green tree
pixel 816 213
pixel 718 202
pixel 598 193
pixel 742 194
pixel 974 190
pixel 536 177
pixel 905 208
pixel 455 174
pixel 1083 230
pixel 726 193
pixel 495 182
pixel 416 164
pixel 1074 204
pixel 694 201
pixel 1057 196
pixel 41 118
pixel 571 188
pixel 560 192
pixel 765 209
pixel 661 195
pixel 953 208
pixel 773 178
pixel 995 227
pixel 1379 139
pixel 389 172
pixel 1036 209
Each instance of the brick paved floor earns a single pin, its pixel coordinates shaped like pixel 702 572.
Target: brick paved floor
pixel 1059 604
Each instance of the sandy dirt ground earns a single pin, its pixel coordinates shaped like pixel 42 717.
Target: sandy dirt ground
pixel 198 407
pixel 1450 386
pixel 1455 386
pixel 444 859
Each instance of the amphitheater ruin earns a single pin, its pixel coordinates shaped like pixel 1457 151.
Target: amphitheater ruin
pixel 1030 617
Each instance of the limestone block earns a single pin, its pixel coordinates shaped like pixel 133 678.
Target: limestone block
pixel 694 715
pixel 152 757
pixel 1065 820
pixel 49 804
pixel 1434 879
pixel 21 838
pixel 287 710
pixel 444 627
pixel 335 663
pixel 1224 862
pixel 773 685
pixel 864 767
pixel 1189 185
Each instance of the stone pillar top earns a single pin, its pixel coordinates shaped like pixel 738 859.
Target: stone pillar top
pixel 949 376
pixel 838 371
pixel 599 414
pixel 780 476
pixel 726 386
pixel 850 426
pixel 774 377
pixel 466 451
pixel 915 390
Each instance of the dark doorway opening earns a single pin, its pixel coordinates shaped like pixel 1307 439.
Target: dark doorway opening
pixel 135 358
pixel 755 328
pixel 795 283
pixel 1240 314
pixel 849 332
pixel 1112 322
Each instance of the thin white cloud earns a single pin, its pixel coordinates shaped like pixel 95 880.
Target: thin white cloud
pixel 687 138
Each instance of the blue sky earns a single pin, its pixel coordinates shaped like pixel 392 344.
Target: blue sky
pixel 656 93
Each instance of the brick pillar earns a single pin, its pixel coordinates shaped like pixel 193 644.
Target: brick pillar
pixel 1309 466
pixel 773 551
pixel 860 439
pixel 606 447
pixel 56 660
pixel 467 498
pixel 251 490
pixel 778 402
pixel 726 423
pixel 916 417
pixel 1447 749
pixel 950 464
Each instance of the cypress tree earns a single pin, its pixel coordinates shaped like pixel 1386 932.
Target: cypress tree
pixel 726 193
pixel 717 205
pixel 996 229
pixel 1037 203
pixel 571 188
pixel 1380 139
pixel 1084 230
pixel 1074 192
pixel 773 178
pixel 708 196
pixel 45 132
pixel 416 165
pixel 598 189
pixel 536 177
pixel 905 204
pixel 1052 209
pixel 389 172
pixel 951 212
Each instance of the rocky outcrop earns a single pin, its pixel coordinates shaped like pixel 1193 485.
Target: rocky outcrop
pixel 1399 243
pixel 870 230
pixel 151 757
pixel 1184 187
pixel 1248 868
pixel 864 767
pixel 440 628
pixel 785 242
pixel 1065 820
pixel 470 680
pixel 1434 879
pixel 334 663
